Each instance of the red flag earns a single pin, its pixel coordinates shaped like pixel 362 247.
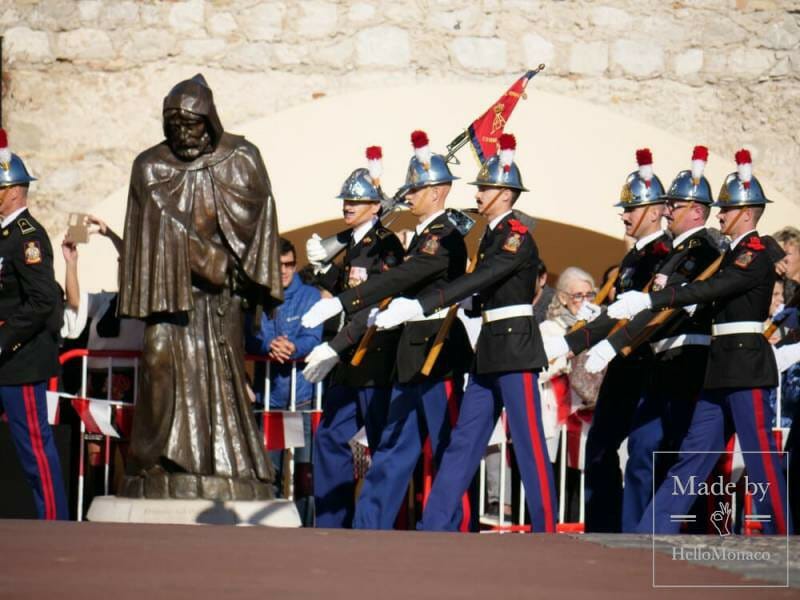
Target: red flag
pixel 283 429
pixel 316 418
pixel 123 419
pixel 486 129
pixel 578 424
pixel 96 416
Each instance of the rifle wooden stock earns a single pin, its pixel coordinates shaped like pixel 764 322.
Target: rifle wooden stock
pixel 662 317
pixel 438 342
pixel 363 345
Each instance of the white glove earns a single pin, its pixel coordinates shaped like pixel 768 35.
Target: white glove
pixel 599 357
pixel 322 310
pixel 588 312
pixel 314 251
pixel 629 304
pixel 399 311
pixel 786 356
pixel 690 309
pixel 319 363
pixel 555 346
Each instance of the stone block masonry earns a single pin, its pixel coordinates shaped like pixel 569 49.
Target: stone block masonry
pixel 721 72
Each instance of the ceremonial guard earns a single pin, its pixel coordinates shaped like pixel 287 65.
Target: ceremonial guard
pixel 508 353
pixel 358 395
pixel 680 347
pixel 421 406
pixel 740 370
pixel 642 203
pixel 31 311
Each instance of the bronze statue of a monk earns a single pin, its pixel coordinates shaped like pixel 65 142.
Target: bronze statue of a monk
pixel 201 241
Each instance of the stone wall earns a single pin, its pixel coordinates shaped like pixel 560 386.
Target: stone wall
pixel 83 81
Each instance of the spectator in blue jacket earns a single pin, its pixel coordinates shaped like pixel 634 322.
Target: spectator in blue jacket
pixel 285 340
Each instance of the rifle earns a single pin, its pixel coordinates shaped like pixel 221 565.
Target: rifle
pixel 662 317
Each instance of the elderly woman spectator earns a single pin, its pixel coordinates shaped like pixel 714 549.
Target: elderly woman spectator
pixel 567 390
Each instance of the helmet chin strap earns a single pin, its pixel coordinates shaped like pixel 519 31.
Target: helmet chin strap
pixel 639 222
pixel 733 223
pixel 492 201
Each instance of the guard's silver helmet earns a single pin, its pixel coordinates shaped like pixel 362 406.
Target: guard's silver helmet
pixel 12 169
pixel 500 170
pixel 364 185
pixel 642 187
pixel 691 185
pixel 425 168
pixel 359 187
pixel 741 188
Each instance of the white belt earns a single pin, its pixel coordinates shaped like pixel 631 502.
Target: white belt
pixel 737 327
pixel 439 314
pixel 687 339
pixel 507 312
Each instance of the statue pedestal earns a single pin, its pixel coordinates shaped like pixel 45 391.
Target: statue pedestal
pixel 272 513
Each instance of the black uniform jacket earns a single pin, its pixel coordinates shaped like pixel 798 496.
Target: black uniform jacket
pixel 635 271
pixel 31 305
pixel 741 290
pixel 435 257
pixel 505 275
pixel 375 253
pixel 681 266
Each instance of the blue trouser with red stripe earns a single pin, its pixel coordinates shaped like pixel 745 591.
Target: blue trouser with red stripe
pixel 26 409
pixel 418 411
pixel 717 415
pixel 346 410
pixel 483 400
pixel 660 423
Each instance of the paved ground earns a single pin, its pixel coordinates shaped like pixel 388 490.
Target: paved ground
pixel 79 560
pixel 732 554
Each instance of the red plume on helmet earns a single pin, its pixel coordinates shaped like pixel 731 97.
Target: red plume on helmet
pixel 5 153
pixel 699 159
pixel 744 166
pixel 507 145
pixel 375 164
pixel 644 159
pixel 422 149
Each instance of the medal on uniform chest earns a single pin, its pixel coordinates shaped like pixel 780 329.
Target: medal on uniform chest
pixel 659 282
pixel 356 276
